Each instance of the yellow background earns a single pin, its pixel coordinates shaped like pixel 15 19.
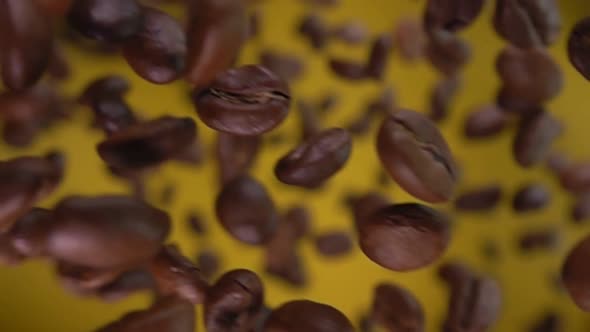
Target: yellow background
pixel 32 300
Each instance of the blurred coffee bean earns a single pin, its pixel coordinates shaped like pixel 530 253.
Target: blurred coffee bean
pixel 147 144
pixel 315 30
pixel 169 314
pixel 309 316
pixel 176 275
pixel 249 100
pixel 384 103
pixel 557 162
pixel 282 259
pixel 511 102
pixel 526 23
pixel 29 233
pixel 310 122
pixel 58 67
pixel 535 134
pixel 379 57
pixel 351 32
pixel 410 39
pixel 299 219
pixel 217 31
pixel 416 156
pixel 55 8
pixel 333 244
pixel 157 51
pixel 447 52
pixel 396 309
pixel 106 232
pixel 405 237
pixel 531 197
pixel 82 280
pixel 126 284
pixel 575 178
pixel 9 255
pixel 548 322
pixel 246 211
pixel 288 67
pixel 363 206
pixel 348 69
pixel 234 302
pixel 442 96
pixel 484 198
pixel 106 20
pixel 485 121
pixel 580 211
pixel 539 240
pixel 578 47
pixel 361 124
pixel 314 161
pixel 235 155
pixel 209 263
pixel 112 114
pixel 575 274
pixel 254 23
pixel 451 15
pixel 104 87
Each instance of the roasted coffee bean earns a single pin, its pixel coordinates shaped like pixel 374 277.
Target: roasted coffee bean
pixel 216 33
pixel 106 232
pixel 288 67
pixel 104 87
pixel 557 162
pixel 396 309
pixel 531 197
pixel 352 32
pixel 530 74
pixel 196 223
pixel 333 244
pixel 112 115
pixel 581 209
pixel 416 156
pixel 575 274
pixel 363 206
pixel 281 257
pixel 511 102
pixel 235 155
pixel 246 211
pixel 348 69
pixel 315 29
pixel 234 302
pixel 29 233
pixel 26 43
pixel 157 51
pixel 209 263
pixel 442 97
pixel 299 219
pixel 307 316
pixel 106 20
pixel 410 39
pixel 126 284
pixel 310 123
pixel 168 314
pixel 528 23
pixel 535 134
pixel 484 198
pixel 545 239
pixel 451 15
pixel 58 67
pixel 9 255
pixel 404 237
pixel 147 144
pixel 379 56
pixel 447 52
pixel 249 100
pixel 83 280
pixel 578 47
pixel 575 177
pixel 314 161
pixel 485 121
pixel 548 322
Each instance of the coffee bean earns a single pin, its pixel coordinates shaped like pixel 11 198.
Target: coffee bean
pixel 548 322
pixel 484 198
pixel 209 263
pixel 58 67
pixel 528 24
pixel 351 32
pixel 157 51
pixel 26 43
pixel 310 123
pixel 534 137
pixel 234 301
pixel 55 8
pixel 542 240
pixel 575 274
pixel 348 69
pixel 531 197
pixel 396 309
pixel 511 102
pixel 447 52
pixel 442 97
pixel 299 220
pixel 147 144
pixel 557 162
pixel 575 178
pixel 29 233
pixel 168 314
pixel 235 155
pixel 288 67
pixel 416 156
pixel 249 100
pixel 315 30
pixel 254 23
pixel 485 121
pixel 246 211
pixel 405 237
pixel 379 56
pixel 109 86
pixel 106 20
pixel 9 255
pixel 196 223
pixel 451 15
pixel 281 257
pixel 126 284
pixel 384 103
pixel 333 244
pixel 581 209
pixel 410 39
pixel 216 34
pixel 83 280
pixel 312 162
pixel 309 316
pixel 106 232
pixel 363 206
pixel 578 47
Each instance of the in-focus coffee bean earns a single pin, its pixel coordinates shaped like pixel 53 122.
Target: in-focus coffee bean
pixel 309 316
pixel 396 309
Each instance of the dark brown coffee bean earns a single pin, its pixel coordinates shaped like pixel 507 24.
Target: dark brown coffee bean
pixel 126 284
pixel 83 280
pixel 246 211
pixel 148 144
pixel 333 244
pixel 396 309
pixel 442 97
pixel 157 51
pixel 410 39
pixel 9 255
pixel 575 178
pixel 535 134
pixel 310 122
pixel 307 316
pixel 112 115
pixel 209 263
pixel 531 197
pixel 315 29
pixel 404 237
pixel 169 314
pixel 379 56
pixel 530 74
pixel 106 20
pixel 234 302
pixel 235 155
pixel 451 15
pixel 485 121
pixel 548 322
pixel 216 34
pixel 528 23
pixel 484 198
pixel 249 100
pixel 109 86
pixel 106 231
pixel 416 156
pixel 544 240
pixel 29 233
pixel 575 274
pixel 25 41
pixel 315 160
pixel 363 206
pixel 196 223
pixel 348 69
pixel 288 67
pixel 447 52
pixel 352 32
pixel 281 257
pixel 578 47
pixel 299 219
pixel 509 101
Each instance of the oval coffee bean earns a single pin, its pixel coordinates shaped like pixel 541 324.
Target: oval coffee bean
pixel 479 199
pixel 348 70
pixel 106 20
pixel 485 121
pixel 578 47
pixel 535 134
pixel 531 197
pixel 404 237
pixel 451 15
pixel 235 155
pixel 315 160
pixel 396 309
pixel 148 144
pixel 106 231
pixel 112 114
pixel 575 274
pixel 447 52
pixel 410 39
pixel 249 100
pixel 29 233
pixel 416 156
pixel 333 244
pixel 379 56
pixel 109 86
pixel 544 239
pixel 246 210
pixel 307 316
pixel 157 51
